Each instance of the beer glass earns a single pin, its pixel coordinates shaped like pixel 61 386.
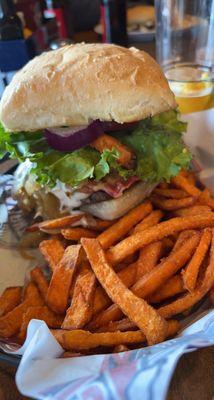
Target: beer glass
pixel 185 50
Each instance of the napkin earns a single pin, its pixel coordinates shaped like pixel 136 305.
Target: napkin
pixel 132 375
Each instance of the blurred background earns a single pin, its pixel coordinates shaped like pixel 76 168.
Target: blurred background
pixel 29 27
pixel 178 33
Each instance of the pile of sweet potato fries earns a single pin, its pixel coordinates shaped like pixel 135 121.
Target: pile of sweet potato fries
pixel 120 284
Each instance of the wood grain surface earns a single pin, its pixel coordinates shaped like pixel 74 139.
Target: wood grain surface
pixel 193 378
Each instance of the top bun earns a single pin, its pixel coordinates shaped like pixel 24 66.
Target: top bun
pixel 83 82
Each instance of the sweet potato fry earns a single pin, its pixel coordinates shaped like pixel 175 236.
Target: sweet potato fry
pixel 58 291
pixel 190 274
pixel 108 142
pixel 171 193
pixel 205 198
pixel 152 219
pixel 60 223
pixel 53 251
pixel 147 285
pixel 10 298
pixel 77 233
pixel 31 294
pixel 101 300
pixel 182 238
pixel 84 340
pixel 100 224
pixel 172 204
pixel 193 210
pixel 184 303
pixel 39 312
pixel 140 312
pixel 140 239
pixel 122 325
pixel 38 277
pixel 123 226
pixel 126 325
pixel 87 221
pixel 148 259
pixel 128 276
pixel 80 311
pixel 190 175
pixel 82 265
pixel 112 313
pixel 96 224
pixel 167 268
pixel 171 288
pixel 11 322
pixel 183 183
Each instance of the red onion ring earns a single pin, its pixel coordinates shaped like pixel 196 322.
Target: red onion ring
pixel 73 138
pixel 76 139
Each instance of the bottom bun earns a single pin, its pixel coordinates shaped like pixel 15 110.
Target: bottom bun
pixel 116 208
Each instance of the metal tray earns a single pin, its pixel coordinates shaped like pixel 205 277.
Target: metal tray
pixel 11 359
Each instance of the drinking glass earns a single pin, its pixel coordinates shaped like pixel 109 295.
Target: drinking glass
pixel 185 50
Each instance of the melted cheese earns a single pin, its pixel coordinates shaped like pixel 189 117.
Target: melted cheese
pixel 68 198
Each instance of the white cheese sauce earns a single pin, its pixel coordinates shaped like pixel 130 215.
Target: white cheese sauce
pixel 68 198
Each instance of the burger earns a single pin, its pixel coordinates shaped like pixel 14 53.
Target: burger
pixel 94 127
pixel 140 17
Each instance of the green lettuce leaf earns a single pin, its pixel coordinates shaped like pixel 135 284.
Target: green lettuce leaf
pixel 168 121
pixel 108 161
pixel 71 168
pixel 159 148
pixel 22 145
pixel 157 143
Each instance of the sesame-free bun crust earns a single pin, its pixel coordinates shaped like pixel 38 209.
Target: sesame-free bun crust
pixel 83 82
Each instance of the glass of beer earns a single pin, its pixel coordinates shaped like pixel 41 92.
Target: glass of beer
pixel 185 50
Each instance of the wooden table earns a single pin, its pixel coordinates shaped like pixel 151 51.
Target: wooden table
pixel 193 378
